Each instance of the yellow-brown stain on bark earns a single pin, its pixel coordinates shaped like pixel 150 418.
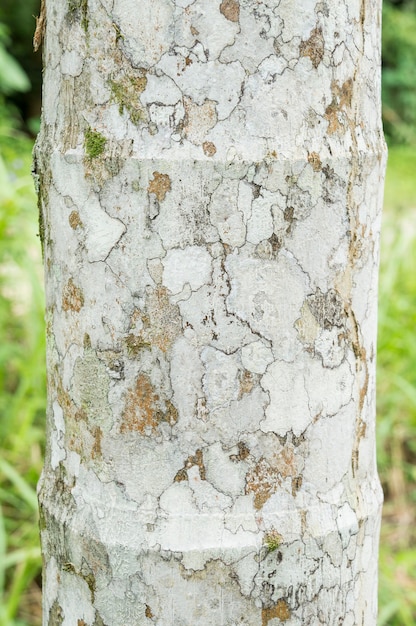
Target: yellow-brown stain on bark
pixel 196 459
pixel 280 611
pixel 341 100
pixel 159 185
pixel 265 477
pixel 143 409
pixel 262 481
pixel 248 381
pixel 72 297
pixel 230 10
pixel 209 148
pixel 315 161
pixel 159 324
pixel 74 220
pixel 313 47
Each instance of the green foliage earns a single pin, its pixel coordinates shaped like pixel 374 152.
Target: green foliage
pixel 12 77
pixel 399 72
pixel 22 371
pixel 396 392
pixel 22 378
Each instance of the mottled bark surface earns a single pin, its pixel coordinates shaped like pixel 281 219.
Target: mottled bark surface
pixel 210 189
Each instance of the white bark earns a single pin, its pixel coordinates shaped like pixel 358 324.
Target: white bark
pixel 210 187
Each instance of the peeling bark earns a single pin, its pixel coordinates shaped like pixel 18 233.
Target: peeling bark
pixel 210 179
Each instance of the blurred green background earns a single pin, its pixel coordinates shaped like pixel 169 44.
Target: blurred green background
pixel 22 369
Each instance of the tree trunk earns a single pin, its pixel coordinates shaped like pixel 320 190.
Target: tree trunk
pixel 210 179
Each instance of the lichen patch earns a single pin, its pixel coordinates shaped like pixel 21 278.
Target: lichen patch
pixel 158 325
pixel 313 47
pixel 144 410
pixel 72 297
pixel 262 481
pixel 159 185
pixel 199 119
pixel 230 10
pixel 327 308
pixel 141 411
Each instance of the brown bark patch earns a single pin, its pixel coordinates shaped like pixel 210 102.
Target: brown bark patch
pixel 96 451
pixel 72 297
pixel 56 616
pixel 337 112
pixel 280 611
pixel 313 47
pixel 196 459
pixel 141 412
pixel 158 325
pixel 243 452
pixel 144 410
pixel 159 185
pixel 296 484
pixel 248 381
pixel 286 463
pixel 230 10
pixel 148 612
pixel 315 161
pixel 262 481
pixel 74 220
pixel 209 148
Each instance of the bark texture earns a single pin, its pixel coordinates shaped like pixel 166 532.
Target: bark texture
pixel 210 178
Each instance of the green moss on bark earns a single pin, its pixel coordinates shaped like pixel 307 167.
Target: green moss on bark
pixel 94 143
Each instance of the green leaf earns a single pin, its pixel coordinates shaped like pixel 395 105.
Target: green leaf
pixel 12 77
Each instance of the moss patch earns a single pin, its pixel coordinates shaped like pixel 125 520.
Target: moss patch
pixel 94 143
pixel 272 540
pixel 126 92
pixel 78 9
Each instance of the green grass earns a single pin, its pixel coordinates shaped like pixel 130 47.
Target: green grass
pixel 22 388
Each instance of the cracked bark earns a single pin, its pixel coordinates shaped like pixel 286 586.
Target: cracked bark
pixel 210 178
